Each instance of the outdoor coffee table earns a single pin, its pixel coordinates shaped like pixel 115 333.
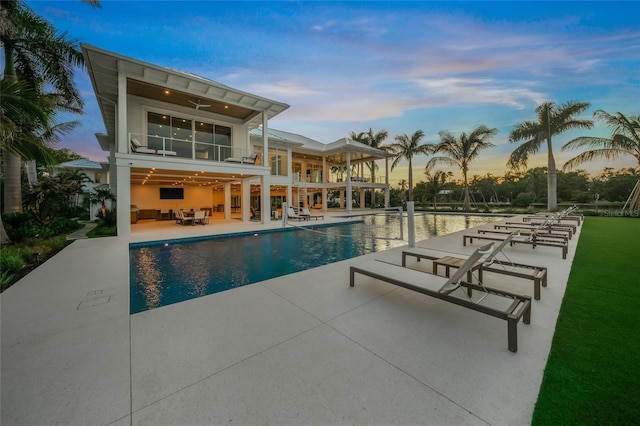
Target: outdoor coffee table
pixel 455 262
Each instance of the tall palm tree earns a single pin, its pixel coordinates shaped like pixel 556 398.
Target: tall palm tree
pixel 406 147
pixel 461 151
pixel 374 140
pixel 41 59
pixel 552 119
pixel 624 140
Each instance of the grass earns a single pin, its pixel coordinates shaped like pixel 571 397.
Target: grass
pixel 103 231
pixel 592 375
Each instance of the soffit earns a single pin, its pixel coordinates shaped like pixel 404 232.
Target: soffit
pixel 167 177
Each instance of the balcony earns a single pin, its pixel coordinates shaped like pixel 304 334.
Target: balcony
pixel 179 148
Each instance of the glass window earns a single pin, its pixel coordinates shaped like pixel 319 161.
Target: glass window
pixel 98 178
pixel 223 142
pixel 158 127
pixel 181 128
pixel 204 141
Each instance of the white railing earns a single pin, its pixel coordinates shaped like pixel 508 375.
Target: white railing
pixel 171 147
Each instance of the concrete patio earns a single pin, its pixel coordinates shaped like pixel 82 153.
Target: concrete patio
pixel 301 349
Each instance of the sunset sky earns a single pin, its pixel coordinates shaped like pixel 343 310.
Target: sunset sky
pixel 398 66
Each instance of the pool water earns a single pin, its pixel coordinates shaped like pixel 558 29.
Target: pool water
pixel 169 272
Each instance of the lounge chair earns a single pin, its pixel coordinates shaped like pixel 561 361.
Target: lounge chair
pixel 532 239
pixel 538 274
pixel 255 214
pixel 249 159
pixel 307 212
pixel 501 304
pixel 291 214
pixel 137 147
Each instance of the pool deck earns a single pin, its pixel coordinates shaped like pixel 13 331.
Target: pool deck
pixel 300 349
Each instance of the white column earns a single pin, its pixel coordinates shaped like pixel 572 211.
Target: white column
pixel 265 195
pixel 265 139
pixel 387 196
pixel 324 199
pixel 245 188
pixel 289 195
pixel 122 138
pixel 227 200
pixel 123 202
pixel 348 197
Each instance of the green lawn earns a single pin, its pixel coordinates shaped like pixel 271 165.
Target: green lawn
pixel 593 372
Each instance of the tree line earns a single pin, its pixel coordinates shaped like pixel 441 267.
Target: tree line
pixel 550 120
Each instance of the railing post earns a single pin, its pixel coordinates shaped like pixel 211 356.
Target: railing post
pixel 411 224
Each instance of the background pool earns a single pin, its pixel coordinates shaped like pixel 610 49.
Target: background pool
pixel 171 272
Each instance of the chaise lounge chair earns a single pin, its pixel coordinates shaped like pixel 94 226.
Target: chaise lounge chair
pixel 537 274
pixel 291 214
pixel 501 304
pixel 533 239
pixel 306 212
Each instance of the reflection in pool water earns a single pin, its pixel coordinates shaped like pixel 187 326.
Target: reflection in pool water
pixel 174 271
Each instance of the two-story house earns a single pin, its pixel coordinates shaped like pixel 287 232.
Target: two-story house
pixel 180 141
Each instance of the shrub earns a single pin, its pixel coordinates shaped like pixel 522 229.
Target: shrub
pixel 11 260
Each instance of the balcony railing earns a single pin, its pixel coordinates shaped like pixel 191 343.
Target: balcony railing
pixel 180 148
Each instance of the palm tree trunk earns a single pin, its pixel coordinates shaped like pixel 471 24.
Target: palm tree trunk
pixel 12 183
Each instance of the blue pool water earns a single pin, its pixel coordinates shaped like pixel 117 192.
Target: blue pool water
pixel 169 272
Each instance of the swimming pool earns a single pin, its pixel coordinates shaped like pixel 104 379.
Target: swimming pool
pixel 166 272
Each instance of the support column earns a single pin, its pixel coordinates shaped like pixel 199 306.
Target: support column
pixel 387 196
pixel 348 197
pixel 325 199
pixel 343 202
pixel 362 198
pixel 265 196
pixel 123 203
pixel 245 189
pixel 227 201
pixel 122 137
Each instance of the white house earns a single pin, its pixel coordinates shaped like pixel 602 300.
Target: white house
pixel 180 141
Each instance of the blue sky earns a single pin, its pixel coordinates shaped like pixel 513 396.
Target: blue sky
pixel 399 66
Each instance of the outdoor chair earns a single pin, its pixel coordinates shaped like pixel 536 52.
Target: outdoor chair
pixel 291 214
pixel 501 304
pixel 537 274
pixel 534 239
pixel 307 212
pixel 198 217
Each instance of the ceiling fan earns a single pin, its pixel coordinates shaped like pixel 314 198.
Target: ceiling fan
pixel 198 104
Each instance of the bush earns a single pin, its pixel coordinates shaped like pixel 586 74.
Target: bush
pixel 11 260
pixel 21 226
pixel 523 199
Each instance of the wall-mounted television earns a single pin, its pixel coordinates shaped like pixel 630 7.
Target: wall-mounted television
pixel 172 193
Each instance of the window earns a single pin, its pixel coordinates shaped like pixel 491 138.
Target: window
pixel 98 178
pixel 223 142
pixel 189 138
pixel 278 162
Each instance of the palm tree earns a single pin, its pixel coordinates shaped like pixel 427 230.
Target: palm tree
pixel 552 120
pixel 407 147
pixel 40 59
pixel 435 183
pixel 374 140
pixel 100 195
pixel 624 140
pixel 403 188
pixel 461 151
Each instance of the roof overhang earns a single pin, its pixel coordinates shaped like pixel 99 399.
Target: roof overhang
pixel 168 85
